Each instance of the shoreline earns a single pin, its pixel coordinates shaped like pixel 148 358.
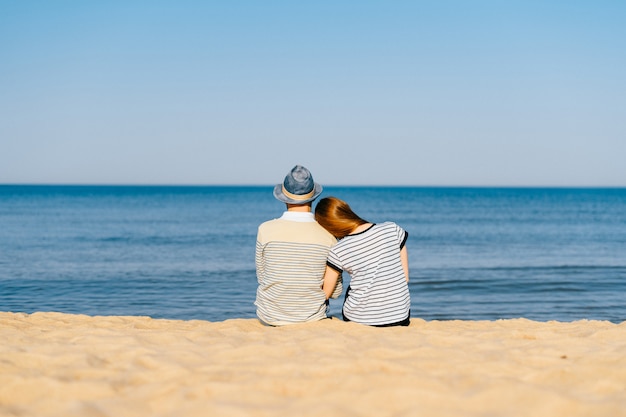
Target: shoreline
pixel 57 364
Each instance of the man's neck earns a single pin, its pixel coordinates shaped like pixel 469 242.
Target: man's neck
pixel 301 208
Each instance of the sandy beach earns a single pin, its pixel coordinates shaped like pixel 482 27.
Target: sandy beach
pixel 54 364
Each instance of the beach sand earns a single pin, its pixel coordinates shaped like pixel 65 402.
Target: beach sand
pixel 54 364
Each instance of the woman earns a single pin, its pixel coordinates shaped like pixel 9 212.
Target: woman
pixel 376 258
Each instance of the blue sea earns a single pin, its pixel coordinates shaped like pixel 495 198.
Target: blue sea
pixel 188 252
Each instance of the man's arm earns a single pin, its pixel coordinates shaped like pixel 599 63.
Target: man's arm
pixel 258 260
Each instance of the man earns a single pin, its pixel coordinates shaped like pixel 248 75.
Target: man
pixel 291 256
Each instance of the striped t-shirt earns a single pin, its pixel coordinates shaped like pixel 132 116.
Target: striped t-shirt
pixel 290 260
pixel 378 292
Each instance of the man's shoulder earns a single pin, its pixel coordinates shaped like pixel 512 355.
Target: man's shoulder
pixel 280 229
pixel 269 223
pixel 286 223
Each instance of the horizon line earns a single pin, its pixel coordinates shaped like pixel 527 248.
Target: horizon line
pixel 189 185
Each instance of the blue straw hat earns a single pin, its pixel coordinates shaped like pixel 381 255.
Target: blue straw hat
pixel 298 187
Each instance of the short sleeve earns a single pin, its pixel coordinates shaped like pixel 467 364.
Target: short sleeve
pixel 403 235
pixel 333 261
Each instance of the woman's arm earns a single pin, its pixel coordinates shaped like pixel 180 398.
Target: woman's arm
pixel 330 281
pixel 404 258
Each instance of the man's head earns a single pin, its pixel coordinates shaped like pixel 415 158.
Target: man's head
pixel 298 187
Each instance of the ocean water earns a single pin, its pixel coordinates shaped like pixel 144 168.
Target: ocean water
pixel 188 252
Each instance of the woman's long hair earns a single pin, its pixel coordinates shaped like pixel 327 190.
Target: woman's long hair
pixel 337 217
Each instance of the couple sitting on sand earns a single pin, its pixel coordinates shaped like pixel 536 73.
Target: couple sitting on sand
pixel 300 258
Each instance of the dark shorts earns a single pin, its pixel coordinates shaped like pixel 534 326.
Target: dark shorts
pixel 404 322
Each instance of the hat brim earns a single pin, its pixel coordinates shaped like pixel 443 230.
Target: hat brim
pixel 280 196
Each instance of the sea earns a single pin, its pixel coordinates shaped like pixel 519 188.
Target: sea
pixel 187 252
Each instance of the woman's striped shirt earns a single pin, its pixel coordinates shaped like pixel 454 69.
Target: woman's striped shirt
pixel 378 292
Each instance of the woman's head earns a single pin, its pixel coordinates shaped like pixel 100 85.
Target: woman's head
pixel 337 217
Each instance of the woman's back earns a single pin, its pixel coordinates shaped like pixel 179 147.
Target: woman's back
pixel 378 292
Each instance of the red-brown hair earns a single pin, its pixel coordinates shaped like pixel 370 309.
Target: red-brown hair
pixel 337 217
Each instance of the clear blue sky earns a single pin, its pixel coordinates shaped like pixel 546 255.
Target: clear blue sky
pixel 360 92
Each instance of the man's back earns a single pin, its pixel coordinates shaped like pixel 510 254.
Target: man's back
pixel 291 260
